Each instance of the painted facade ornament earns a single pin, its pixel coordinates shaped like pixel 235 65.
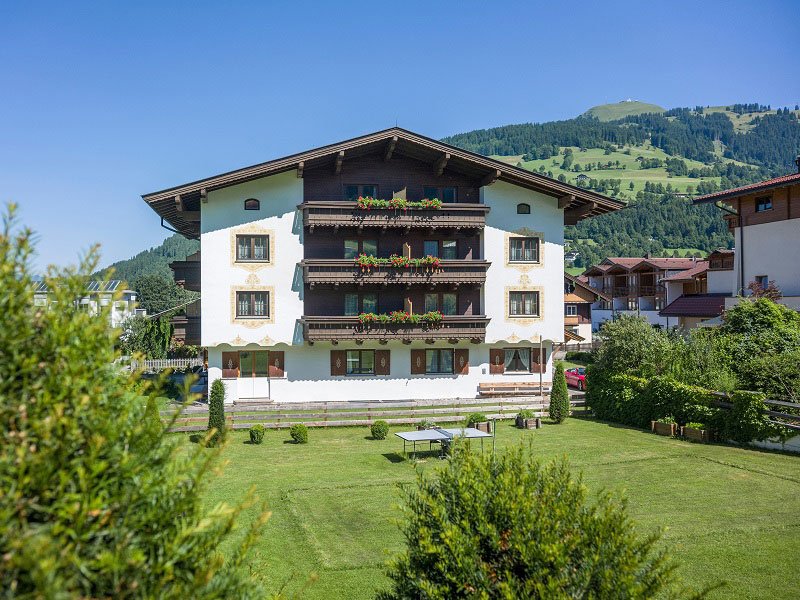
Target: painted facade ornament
pixel 238 341
pixel 524 279
pixel 513 338
pixel 252 279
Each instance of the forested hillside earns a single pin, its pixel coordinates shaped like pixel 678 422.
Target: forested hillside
pixel 155 261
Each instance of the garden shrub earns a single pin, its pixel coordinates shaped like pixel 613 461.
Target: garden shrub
pixel 695 425
pixel 93 504
pixel 506 526
pixel 153 428
pixel 299 433
pixel 216 413
pixel 475 418
pixel 559 396
pixel 584 357
pixel 257 433
pixel 744 421
pixel 526 413
pixel 379 430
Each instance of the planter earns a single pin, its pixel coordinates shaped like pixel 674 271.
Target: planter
pixel 696 435
pixel 535 423
pixel 660 428
pixel 484 426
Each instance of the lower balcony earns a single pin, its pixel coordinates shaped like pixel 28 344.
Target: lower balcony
pixel 337 329
pixel 336 271
pixel 186 329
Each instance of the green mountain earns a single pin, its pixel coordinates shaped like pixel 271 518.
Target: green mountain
pixel 620 110
pixel 154 261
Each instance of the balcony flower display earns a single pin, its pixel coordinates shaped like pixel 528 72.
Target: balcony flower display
pixel 368 203
pixel 368 262
pixel 399 317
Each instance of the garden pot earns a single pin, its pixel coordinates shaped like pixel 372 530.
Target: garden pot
pixel 696 435
pixel 535 423
pixel 663 428
pixel 484 426
pixel 519 422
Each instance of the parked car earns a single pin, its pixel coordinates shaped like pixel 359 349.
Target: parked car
pixel 576 377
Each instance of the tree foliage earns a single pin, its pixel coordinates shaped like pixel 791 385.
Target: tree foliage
pixel 508 527
pixel 153 261
pixel 146 336
pixel 159 295
pixel 94 502
pixel 559 396
pixel 216 413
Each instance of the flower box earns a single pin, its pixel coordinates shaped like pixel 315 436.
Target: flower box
pixel 660 428
pixel 696 435
pixel 535 423
pixel 485 426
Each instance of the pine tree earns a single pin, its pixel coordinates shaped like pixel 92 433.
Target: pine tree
pixel 559 396
pixel 216 413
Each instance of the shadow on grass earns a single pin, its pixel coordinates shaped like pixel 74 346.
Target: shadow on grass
pixel 394 457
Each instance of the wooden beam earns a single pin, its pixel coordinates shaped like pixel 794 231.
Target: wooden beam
pixel 300 166
pixel 204 196
pixel 390 148
pixel 572 216
pixel 565 201
pixel 438 168
pixel 490 178
pixel 193 216
pixel 178 203
pixel 339 161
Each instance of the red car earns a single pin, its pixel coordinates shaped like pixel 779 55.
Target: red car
pixel 576 377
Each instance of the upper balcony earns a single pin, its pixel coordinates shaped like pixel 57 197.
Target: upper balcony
pixel 337 329
pixel 348 214
pixel 187 273
pixel 337 271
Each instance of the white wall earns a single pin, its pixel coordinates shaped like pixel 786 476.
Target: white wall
pixel 720 282
pixel 770 249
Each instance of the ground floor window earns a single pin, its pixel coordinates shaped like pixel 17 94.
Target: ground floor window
pixel 439 361
pixel 254 364
pixel 517 359
pixel 360 362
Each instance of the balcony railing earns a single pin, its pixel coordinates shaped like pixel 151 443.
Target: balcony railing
pixel 342 329
pixel 648 290
pixel 187 329
pixel 571 320
pixel 187 274
pixel 344 270
pixel 623 290
pixel 347 214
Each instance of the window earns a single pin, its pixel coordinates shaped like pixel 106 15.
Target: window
pixel 439 361
pixel 254 364
pixel 430 248
pixel 762 281
pixel 355 304
pixel 633 303
pixel 523 249
pixel 354 192
pixel 523 209
pixel 571 310
pixel 252 248
pixel 445 303
pixel 764 203
pixel 352 248
pixel 360 362
pixel 252 304
pixel 252 204
pixel 658 303
pixel 523 304
pixel 449 250
pixel 446 195
pixel 517 359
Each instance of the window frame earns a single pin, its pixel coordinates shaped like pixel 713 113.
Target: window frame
pixel 253 370
pixel 538 249
pixel 762 280
pixel 360 249
pixel 360 302
pixel 252 303
pixel 360 191
pixel 360 371
pixel 530 360
pixel 249 206
pixel 536 293
pixel 440 193
pixel 767 204
pixel 571 310
pixel 523 208
pixel 439 351
pixel 253 237
pixel 440 302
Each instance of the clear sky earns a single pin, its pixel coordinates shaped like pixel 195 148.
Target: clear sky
pixel 102 102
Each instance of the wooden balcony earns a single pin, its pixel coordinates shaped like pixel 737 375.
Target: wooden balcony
pixel 342 329
pixel 337 271
pixel 187 274
pixel 572 320
pixel 187 329
pixel 623 290
pixel 347 214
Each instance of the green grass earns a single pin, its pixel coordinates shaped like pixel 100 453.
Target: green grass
pixel 730 513
pixel 620 110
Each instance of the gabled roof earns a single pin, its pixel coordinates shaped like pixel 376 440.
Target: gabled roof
pixel 625 264
pixel 667 264
pixel 579 282
pixel 690 274
pixel 753 188
pixel 584 203
pixel 695 305
pixel 572 337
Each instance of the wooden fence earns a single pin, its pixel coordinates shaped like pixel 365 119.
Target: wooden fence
pixel 792 418
pixel 243 415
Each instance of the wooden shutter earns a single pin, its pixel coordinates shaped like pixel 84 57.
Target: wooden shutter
pixel 382 366
pixel 497 360
pixel 338 362
pixel 230 365
pixel 537 365
pixel 275 363
pixel 418 362
pixel 461 361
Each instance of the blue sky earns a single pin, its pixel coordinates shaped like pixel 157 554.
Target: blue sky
pixel 102 102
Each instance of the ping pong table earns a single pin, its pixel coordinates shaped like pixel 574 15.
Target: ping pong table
pixel 440 436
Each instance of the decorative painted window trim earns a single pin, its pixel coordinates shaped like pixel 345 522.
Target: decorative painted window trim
pixel 523 266
pixel 252 322
pixel 252 265
pixel 523 319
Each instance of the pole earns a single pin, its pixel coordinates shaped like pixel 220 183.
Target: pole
pixel 541 366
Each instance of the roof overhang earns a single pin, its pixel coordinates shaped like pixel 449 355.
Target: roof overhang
pixel 578 283
pixel 179 206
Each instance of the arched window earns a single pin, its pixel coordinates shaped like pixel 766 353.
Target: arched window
pixel 523 209
pixel 252 204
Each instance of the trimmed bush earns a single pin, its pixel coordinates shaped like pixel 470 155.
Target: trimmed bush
pixel 559 396
pixel 379 430
pixel 299 433
pixel 216 413
pixel 584 357
pixel 475 418
pixel 257 433
pixel 507 527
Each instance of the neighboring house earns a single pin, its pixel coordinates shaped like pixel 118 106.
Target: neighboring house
pixel 570 256
pixel 283 298
pixel 186 327
pixel 765 221
pixel 98 295
pixel 633 286
pixel 578 299
pixel 582 178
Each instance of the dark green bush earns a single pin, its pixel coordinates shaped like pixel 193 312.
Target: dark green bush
pixel 474 419
pixel 379 430
pixel 257 433
pixel 216 413
pixel 508 527
pixel 582 357
pixel 299 433
pixel 559 395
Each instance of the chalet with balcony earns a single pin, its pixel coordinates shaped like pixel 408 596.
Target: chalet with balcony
pixel 579 297
pixel 186 324
pixel 389 266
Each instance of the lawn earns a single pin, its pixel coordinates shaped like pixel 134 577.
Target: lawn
pixel 730 514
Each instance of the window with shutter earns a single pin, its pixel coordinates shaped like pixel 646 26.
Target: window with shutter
pixel 497 361
pixel 338 362
pixel 230 365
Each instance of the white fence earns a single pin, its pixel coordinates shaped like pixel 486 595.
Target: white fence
pixel 166 363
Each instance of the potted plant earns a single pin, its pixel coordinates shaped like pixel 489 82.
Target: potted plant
pixel 479 422
pixel 523 417
pixel 425 424
pixel 696 432
pixel 664 426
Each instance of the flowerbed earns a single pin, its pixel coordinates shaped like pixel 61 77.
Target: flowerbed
pixel 369 203
pixel 400 317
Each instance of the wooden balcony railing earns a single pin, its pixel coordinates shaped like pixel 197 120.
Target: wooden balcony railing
pixel 344 270
pixel 341 329
pixel 187 329
pixel 648 290
pixel 571 320
pixel 187 274
pixel 622 290
pixel 347 214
